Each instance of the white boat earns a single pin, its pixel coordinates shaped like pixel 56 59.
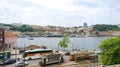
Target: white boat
pixel 30 38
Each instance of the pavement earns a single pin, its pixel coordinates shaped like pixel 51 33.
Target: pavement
pixel 72 64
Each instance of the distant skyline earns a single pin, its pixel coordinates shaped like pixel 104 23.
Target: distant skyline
pixel 60 12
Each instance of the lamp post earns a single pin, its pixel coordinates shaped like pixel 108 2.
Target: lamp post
pixel 58 48
pixel 15 54
pixel 72 47
pixel 3 56
pixel 94 57
pixel 24 56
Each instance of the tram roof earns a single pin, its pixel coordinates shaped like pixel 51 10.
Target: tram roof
pixel 38 50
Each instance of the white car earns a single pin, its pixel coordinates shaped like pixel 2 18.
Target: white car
pixel 21 63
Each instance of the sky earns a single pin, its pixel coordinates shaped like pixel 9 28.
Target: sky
pixel 60 12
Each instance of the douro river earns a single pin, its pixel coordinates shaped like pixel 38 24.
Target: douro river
pixel 86 43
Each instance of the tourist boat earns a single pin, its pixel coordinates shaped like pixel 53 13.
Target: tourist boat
pixel 30 38
pixel 22 36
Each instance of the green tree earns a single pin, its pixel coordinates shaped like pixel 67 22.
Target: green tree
pixel 64 42
pixel 97 33
pixel 81 31
pixel 23 28
pixel 110 51
pixel 104 27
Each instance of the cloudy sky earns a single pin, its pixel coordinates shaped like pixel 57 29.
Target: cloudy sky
pixel 60 12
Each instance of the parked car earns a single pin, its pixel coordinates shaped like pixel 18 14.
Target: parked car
pixel 8 61
pixel 67 53
pixel 21 63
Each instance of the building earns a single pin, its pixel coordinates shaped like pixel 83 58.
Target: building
pixel 7 41
pixel 17 24
pixel 1 37
pixel 118 25
pixel 10 40
pixel 85 24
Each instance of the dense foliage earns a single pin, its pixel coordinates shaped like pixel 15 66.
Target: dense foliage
pixel 110 51
pixel 64 42
pixel 105 27
pixel 23 28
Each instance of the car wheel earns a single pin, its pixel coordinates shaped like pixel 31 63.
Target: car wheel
pixel 62 59
pixel 14 62
pixel 30 58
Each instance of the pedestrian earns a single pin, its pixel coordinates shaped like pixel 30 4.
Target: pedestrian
pixel 18 59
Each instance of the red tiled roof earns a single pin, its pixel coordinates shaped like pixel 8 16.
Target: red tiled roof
pixel 9 35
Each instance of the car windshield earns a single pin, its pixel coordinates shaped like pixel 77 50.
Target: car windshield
pixel 0 61
pixel 7 60
pixel 21 62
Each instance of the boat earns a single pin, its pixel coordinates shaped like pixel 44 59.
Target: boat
pixel 30 38
pixel 55 35
pixel 22 36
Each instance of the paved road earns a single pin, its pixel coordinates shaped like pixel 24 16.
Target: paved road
pixel 67 63
pixel 33 62
pixel 30 63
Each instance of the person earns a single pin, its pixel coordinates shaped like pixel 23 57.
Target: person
pixel 62 59
pixel 18 59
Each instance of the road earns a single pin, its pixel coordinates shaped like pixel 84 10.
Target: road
pixel 33 62
pixel 30 63
pixel 67 63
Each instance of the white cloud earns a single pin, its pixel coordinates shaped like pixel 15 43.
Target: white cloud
pixel 31 9
pixel 6 5
pixel 30 15
pixel 100 3
pixel 52 4
pixel 60 12
pixel 31 12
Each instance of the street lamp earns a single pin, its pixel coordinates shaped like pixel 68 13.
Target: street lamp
pixel 72 47
pixel 3 56
pixel 24 56
pixel 58 48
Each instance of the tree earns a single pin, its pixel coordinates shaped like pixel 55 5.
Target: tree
pixel 23 28
pixel 97 33
pixel 110 51
pixel 64 42
pixel 81 31
pixel 104 27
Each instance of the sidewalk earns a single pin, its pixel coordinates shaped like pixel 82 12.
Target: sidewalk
pixel 71 64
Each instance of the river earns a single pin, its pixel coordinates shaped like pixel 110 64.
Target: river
pixel 86 43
